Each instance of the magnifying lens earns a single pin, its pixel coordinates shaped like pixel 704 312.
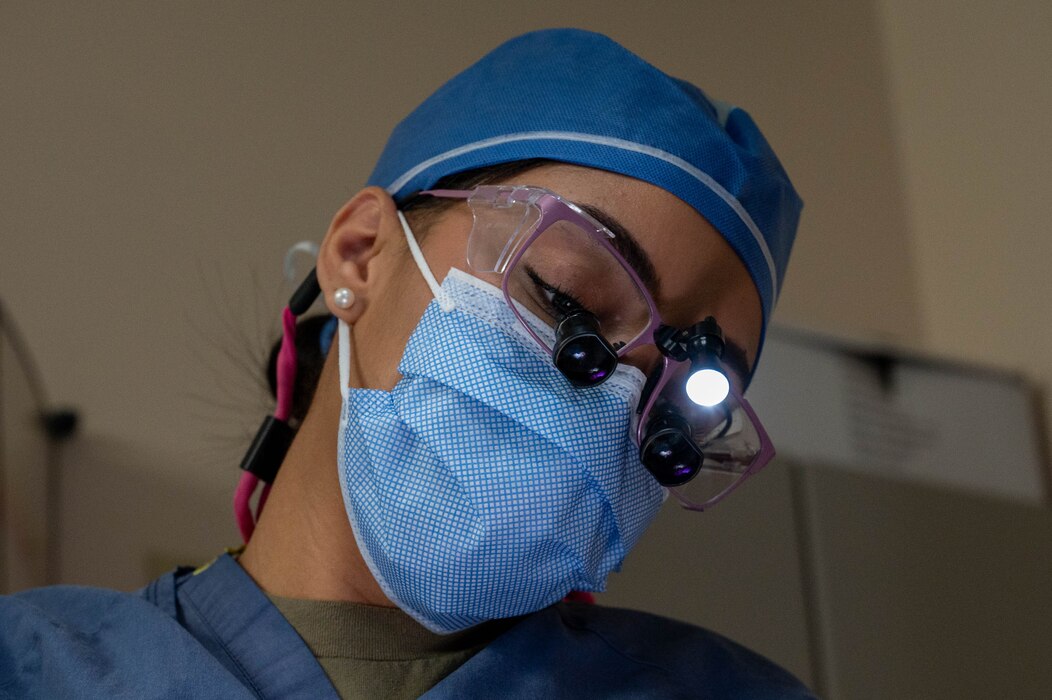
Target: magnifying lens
pixel 581 352
pixel 668 448
pixel 669 451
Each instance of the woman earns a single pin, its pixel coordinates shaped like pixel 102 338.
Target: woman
pixel 549 300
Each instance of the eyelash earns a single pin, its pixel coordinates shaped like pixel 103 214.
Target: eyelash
pixel 561 302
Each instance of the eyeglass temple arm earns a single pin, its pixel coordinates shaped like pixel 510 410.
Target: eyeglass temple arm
pixel 451 194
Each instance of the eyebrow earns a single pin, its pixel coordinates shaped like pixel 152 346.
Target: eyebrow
pixel 629 248
pixel 734 355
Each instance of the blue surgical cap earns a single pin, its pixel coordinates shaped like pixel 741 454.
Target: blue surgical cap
pixel 580 97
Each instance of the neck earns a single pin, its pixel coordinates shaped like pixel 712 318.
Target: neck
pixel 303 546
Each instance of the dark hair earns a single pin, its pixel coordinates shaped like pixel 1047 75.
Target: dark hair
pixel 423 210
pixel 309 361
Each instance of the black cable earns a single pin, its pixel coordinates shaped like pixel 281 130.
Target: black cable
pixel 36 384
pixel 57 424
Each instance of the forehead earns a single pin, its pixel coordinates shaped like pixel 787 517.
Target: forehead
pixel 700 273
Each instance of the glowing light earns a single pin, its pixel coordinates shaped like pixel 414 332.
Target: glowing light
pixel 707 387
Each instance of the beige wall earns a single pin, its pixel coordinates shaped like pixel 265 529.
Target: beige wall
pixel 971 93
pixel 159 158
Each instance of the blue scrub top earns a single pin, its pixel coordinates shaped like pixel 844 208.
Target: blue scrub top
pixel 215 634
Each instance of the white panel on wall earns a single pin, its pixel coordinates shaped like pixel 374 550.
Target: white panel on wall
pixel 871 409
pixel 923 593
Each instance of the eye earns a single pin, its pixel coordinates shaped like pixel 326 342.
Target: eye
pixel 559 302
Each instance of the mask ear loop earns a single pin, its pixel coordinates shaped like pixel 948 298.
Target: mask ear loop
pixel 444 302
pixel 343 355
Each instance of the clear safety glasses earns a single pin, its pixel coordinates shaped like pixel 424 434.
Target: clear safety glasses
pixel 562 269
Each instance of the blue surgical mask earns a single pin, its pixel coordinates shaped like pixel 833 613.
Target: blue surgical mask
pixel 485 485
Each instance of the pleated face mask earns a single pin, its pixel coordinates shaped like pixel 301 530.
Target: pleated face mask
pixel 485 485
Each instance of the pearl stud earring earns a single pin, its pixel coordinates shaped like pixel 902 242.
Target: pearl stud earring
pixel 343 298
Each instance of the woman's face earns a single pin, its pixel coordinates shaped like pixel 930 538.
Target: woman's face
pixel 699 274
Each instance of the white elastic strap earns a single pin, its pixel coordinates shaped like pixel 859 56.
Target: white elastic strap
pixel 343 351
pixel 444 302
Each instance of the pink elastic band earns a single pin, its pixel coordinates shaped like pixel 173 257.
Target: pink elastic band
pixel 246 486
pixel 286 365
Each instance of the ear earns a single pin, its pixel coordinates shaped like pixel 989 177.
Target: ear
pixel 359 231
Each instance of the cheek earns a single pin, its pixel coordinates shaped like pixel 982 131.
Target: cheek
pixel 381 334
pixel 445 244
pixel 645 358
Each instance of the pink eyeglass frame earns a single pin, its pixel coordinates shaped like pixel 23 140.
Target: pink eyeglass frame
pixel 554 208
